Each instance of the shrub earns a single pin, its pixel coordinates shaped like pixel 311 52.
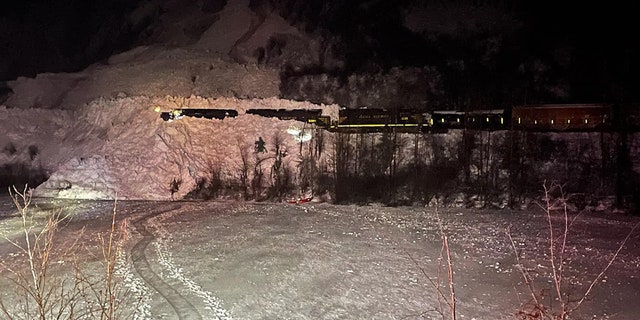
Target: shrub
pixel 45 291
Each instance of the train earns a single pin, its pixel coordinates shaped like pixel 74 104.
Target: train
pixel 539 117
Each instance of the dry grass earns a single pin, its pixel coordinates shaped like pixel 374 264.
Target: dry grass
pixel 44 285
pixel 445 295
pixel 556 305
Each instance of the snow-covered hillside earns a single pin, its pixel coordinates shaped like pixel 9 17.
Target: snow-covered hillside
pixel 122 147
pixel 96 134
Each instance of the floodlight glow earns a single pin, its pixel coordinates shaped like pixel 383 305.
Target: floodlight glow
pixel 299 135
pixel 294 131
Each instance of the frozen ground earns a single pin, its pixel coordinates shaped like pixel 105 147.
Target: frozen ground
pixel 224 260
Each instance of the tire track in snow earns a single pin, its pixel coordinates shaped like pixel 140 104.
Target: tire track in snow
pixel 182 307
pixel 212 304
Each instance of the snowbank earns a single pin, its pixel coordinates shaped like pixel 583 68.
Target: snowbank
pixel 147 71
pixel 122 147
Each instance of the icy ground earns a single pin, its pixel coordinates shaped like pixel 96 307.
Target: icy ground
pixel 235 260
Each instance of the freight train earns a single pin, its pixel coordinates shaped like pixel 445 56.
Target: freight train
pixel 546 117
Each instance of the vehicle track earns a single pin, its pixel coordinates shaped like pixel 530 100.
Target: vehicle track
pixel 182 307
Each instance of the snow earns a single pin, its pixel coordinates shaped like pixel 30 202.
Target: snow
pixel 95 132
pixel 121 146
pixel 248 260
pixel 96 135
pixel 235 18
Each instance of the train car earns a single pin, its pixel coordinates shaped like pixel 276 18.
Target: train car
pixel 562 117
pixel 304 115
pixel 443 120
pixel 496 119
pixel 210 113
pixel 409 118
pixel 219 114
pixel 361 120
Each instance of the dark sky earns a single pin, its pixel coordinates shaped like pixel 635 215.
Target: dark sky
pixel 588 49
pixel 601 38
pixel 53 36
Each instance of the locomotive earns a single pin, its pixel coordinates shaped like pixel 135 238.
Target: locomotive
pixel 541 118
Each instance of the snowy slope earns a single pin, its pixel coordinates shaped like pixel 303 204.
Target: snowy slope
pixel 96 133
pixel 122 147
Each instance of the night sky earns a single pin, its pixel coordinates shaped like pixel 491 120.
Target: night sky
pixel 573 52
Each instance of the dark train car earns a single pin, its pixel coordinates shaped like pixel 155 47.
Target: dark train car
pixel 210 113
pixel 412 118
pixel 198 113
pixel 309 116
pixel 361 120
pixel 562 117
pixel 497 119
pixel 443 120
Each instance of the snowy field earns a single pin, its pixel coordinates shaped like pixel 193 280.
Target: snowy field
pixel 237 260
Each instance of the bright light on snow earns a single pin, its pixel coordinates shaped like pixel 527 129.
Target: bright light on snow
pixel 299 135
pixel 294 131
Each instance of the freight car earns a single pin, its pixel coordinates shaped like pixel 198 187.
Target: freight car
pixel 562 117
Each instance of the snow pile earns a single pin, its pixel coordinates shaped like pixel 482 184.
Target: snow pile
pixel 31 143
pixel 122 147
pixel 147 71
pixel 96 135
pixel 234 20
pixel 259 36
pixel 86 178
